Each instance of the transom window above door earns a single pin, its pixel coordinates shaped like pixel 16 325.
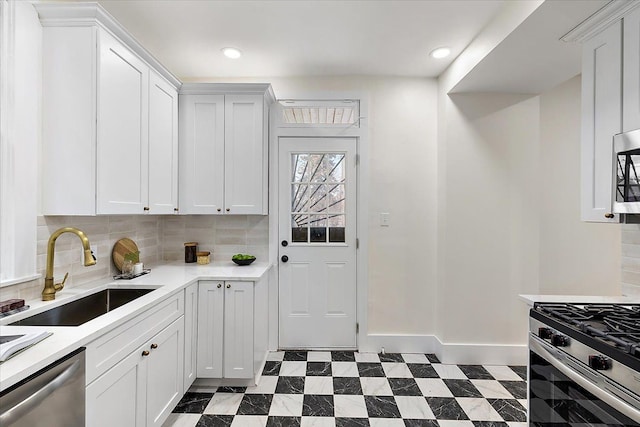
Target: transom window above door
pixel 332 113
pixel 318 197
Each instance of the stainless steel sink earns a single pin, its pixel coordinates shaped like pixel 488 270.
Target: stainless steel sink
pixel 80 311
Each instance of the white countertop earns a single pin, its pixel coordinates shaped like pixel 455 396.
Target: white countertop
pixel 168 279
pixel 577 299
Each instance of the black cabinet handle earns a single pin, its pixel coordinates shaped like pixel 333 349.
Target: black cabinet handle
pixel 284 258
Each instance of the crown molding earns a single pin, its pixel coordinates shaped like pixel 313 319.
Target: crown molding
pixel 227 88
pixel 90 14
pixel 610 13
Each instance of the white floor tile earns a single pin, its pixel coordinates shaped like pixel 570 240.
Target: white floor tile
pixel 396 370
pixel 386 422
pixel 224 404
pixel 249 421
pixel 433 387
pixel 414 358
pixel 349 406
pixel 524 403
pixel 275 356
pixel 367 357
pixel 267 385
pixel 293 369
pixel 502 373
pixel 492 389
pixel 514 424
pixel 182 420
pixel 318 422
pixel 449 371
pixel 454 423
pixel 344 369
pixel 478 409
pixel 414 407
pixel 373 386
pixel 318 385
pixel 286 405
pixel 319 356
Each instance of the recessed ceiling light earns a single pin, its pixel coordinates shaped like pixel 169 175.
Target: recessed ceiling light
pixel 231 52
pixel 441 52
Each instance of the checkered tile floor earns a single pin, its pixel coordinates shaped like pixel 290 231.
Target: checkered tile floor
pixel 338 388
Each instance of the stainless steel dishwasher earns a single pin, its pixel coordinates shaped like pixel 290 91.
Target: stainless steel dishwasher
pixel 52 397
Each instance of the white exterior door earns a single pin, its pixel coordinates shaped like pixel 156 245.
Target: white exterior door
pixel 317 234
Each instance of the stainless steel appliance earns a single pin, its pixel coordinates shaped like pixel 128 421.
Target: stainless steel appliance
pixel 584 365
pixel 626 170
pixel 52 397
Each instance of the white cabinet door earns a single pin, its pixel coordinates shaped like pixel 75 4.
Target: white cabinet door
pixel 210 328
pixel 201 154
pixel 631 72
pixel 190 334
pixel 118 397
pixel 163 146
pixel 165 379
pixel 245 152
pixel 122 131
pixel 238 330
pixel 601 119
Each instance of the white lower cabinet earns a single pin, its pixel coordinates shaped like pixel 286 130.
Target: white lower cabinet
pixel 225 329
pixel 143 388
pixel 190 334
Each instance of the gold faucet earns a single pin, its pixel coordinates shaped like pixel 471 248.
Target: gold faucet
pixel 50 289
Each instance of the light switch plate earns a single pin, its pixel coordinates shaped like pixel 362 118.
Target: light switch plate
pixel 385 220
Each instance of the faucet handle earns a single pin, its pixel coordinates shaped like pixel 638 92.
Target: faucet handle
pixel 60 285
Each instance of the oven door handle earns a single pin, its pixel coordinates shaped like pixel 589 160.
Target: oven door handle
pixel 611 400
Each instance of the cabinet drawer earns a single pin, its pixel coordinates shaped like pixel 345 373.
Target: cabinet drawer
pixel 110 348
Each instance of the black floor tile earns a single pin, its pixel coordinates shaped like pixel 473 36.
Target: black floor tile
pixel 283 421
pixel 404 387
pixel 193 403
pixel 382 407
pixel 521 371
pixel 446 408
pixel 475 372
pixel 509 409
pixel 319 369
pixel 490 424
pixel 290 385
pixel 518 389
pixel 352 422
pixel 343 356
pixel 370 369
pixel 432 358
pixel 208 420
pixel 255 404
pixel 224 389
pixel 347 385
pixel 391 357
pixel 462 388
pixel 422 370
pixel 316 405
pixel 271 368
pixel 420 423
pixel 295 356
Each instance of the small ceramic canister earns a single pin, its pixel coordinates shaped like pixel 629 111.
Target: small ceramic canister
pixel 204 257
pixel 190 249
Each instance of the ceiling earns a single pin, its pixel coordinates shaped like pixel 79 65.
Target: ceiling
pixel 303 37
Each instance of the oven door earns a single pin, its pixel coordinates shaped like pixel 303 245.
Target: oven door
pixel 560 394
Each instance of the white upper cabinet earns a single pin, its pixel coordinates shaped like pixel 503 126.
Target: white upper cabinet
pixel 224 148
pixel 601 119
pixel 631 72
pixel 109 118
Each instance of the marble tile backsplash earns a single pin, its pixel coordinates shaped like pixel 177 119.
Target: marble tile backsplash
pixel 631 259
pixel 159 238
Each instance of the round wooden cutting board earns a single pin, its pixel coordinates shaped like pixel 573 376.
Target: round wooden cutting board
pixel 120 249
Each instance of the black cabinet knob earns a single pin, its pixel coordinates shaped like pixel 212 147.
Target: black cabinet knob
pixel 284 258
pixel 599 362
pixel 284 243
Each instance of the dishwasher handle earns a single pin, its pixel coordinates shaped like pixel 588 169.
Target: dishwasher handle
pixel 15 412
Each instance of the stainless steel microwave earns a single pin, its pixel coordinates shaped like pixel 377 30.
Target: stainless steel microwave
pixel 626 173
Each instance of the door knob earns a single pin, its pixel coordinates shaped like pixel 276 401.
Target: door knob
pixel 284 258
pixel 284 243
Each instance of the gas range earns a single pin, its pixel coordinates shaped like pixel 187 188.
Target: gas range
pixel 591 353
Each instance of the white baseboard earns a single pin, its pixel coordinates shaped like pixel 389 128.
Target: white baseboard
pixel 449 353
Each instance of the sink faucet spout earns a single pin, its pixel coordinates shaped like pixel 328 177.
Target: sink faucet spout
pixel 50 288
